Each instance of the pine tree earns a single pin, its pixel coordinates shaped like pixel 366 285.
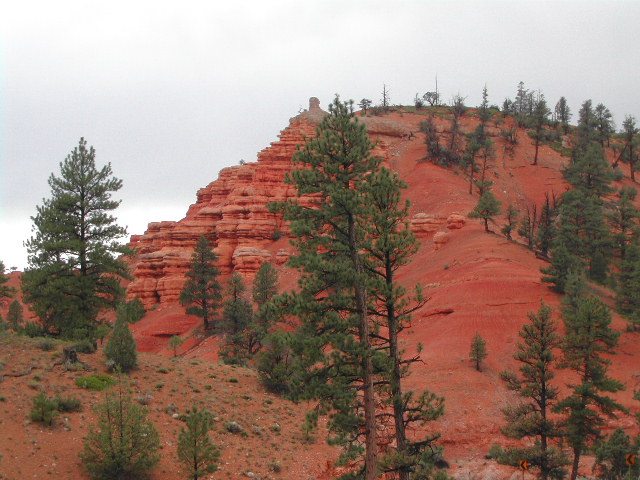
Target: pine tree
pixel 604 124
pixel 124 443
pixel 587 126
pixel 131 311
pixel 512 215
pixel 478 351
pixel 582 231
pixel 74 271
pixel 630 132
pixel 588 336
pixel 265 287
pixel 333 341
pixel 198 455
pixel 5 290
pixel 628 285
pixel 202 291
pixel 365 105
pixel 174 344
pixel 562 114
pixel 236 320
pixel 487 208
pixel 546 224
pixel 611 457
pixel 532 419
pixel 537 123
pixel 15 315
pixel 390 245
pixel 121 348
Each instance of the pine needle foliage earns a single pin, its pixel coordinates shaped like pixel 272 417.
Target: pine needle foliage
pixel 202 292
pixel 124 443
pixel 197 454
pixel 74 271
pixel 531 419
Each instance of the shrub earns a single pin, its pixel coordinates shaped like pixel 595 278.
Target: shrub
pixel 97 382
pixel 44 409
pixel 32 329
pixel 46 344
pixel 124 442
pixel 131 312
pixel 121 347
pixel 68 404
pixel 234 427
pixel 84 346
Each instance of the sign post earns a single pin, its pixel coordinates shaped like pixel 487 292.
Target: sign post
pixel 524 466
pixel 631 461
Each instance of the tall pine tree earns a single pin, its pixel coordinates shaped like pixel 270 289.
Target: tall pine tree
pixel 390 245
pixel 202 292
pixel 73 271
pixel 588 337
pixel 532 418
pixel 332 303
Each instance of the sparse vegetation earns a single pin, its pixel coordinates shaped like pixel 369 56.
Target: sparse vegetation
pixel 97 381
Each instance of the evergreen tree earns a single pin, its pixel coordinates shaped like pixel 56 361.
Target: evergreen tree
pixel 587 125
pixel 198 455
pixel 202 291
pixel 546 224
pixel 365 105
pixel 458 109
pixel 583 237
pixel 5 290
pixel 73 271
pixel 628 285
pixel 235 323
pixel 15 315
pixel 562 114
pixel 611 457
pixel 478 351
pixel 174 344
pixel 487 208
pixel 390 245
pixel 275 362
pixel 484 114
pixel 132 311
pixel 265 287
pixel 604 124
pixel 124 442
pixel 532 419
pixel 236 309
pixel 333 341
pixel 588 336
pixel 121 348
pixel 630 132
pixel 537 122
pixel 512 215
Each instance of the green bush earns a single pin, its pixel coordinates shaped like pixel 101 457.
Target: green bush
pixel 44 409
pixel 124 443
pixel 84 346
pixel 97 381
pixel 32 329
pixel 68 404
pixel 46 344
pixel 121 348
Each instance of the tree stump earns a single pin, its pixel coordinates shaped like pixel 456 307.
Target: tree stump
pixel 69 356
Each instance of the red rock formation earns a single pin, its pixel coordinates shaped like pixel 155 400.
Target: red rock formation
pixel 231 211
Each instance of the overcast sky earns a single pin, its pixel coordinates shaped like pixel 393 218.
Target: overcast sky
pixel 172 92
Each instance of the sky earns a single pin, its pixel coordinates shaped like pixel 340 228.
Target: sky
pixel 171 92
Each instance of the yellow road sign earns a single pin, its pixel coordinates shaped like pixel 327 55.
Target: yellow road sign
pixel 631 459
pixel 524 465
